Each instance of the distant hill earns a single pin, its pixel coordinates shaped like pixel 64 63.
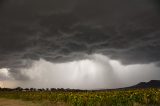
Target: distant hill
pixel 150 84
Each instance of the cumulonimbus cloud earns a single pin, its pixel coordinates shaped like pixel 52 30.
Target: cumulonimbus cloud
pixel 60 31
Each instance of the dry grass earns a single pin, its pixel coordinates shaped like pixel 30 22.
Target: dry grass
pixel 10 102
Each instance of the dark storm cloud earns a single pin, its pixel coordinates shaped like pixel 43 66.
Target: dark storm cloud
pixel 60 30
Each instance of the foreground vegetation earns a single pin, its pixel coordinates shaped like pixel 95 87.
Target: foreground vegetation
pixel 134 97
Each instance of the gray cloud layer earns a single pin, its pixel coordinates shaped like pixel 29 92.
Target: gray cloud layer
pixel 60 30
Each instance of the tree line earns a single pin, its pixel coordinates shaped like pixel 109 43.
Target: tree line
pixel 40 89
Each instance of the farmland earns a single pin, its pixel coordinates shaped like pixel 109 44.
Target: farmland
pixel 130 97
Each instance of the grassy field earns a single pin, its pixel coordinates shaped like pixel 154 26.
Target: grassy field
pixel 13 102
pixel 136 97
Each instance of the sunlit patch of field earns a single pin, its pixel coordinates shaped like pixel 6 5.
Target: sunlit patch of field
pixel 134 97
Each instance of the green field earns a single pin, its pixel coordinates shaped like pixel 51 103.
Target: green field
pixel 135 97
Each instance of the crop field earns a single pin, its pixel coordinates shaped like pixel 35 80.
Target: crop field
pixel 134 97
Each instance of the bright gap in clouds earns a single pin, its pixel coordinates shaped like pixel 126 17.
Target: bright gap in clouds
pixel 95 72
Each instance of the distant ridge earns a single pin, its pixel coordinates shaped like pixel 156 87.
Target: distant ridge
pixel 150 84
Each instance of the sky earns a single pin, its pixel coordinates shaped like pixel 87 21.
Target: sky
pixel 81 44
